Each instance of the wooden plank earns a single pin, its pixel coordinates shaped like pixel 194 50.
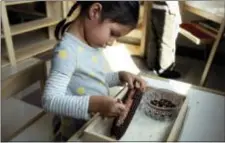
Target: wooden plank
pixel 174 134
pixel 91 136
pixel 54 10
pixel 193 38
pixel 33 25
pixel 212 54
pixel 7 34
pixel 64 8
pixel 146 26
pixel 204 14
pixel 16 116
pixel 34 49
pixel 41 130
pixel 15 2
pixel 205 31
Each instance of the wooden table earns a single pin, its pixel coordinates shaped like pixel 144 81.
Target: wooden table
pixel 205 117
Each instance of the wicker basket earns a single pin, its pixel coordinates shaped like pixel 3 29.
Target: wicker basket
pixel 162 113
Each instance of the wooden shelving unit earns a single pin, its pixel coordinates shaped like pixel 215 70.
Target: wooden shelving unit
pixel 8 3
pixel 15 53
pixel 216 36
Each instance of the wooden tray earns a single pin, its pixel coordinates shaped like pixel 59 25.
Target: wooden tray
pixel 141 128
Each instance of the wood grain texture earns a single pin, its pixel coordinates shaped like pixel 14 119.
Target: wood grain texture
pixel 33 25
pixel 174 134
pixel 146 27
pixel 15 2
pixel 7 34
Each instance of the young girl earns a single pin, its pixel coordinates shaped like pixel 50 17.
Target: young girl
pixel 78 84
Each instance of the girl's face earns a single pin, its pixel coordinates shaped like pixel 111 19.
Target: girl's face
pixel 99 33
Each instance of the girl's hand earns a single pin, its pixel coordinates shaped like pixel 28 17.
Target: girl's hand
pixel 131 79
pixel 107 106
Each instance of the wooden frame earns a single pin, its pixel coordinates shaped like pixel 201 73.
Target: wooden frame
pixel 13 56
pixel 86 134
pixel 146 26
pixel 20 81
pixel 7 33
pixel 137 39
pixel 218 37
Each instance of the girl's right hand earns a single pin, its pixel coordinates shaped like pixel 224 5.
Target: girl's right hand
pixel 107 106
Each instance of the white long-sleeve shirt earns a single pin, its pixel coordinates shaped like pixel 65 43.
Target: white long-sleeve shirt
pixel 77 72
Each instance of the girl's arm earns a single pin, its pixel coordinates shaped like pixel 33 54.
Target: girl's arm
pixel 55 98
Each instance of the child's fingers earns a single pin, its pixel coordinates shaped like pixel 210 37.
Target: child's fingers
pixel 119 108
pixel 141 85
pixel 130 83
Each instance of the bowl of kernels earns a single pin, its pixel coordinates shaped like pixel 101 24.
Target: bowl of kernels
pixel 162 104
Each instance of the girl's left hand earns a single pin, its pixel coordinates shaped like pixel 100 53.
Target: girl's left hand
pixel 131 79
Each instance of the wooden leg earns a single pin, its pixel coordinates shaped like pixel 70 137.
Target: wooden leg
pixel 212 54
pixel 7 34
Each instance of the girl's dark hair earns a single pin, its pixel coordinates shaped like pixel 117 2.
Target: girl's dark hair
pixel 123 12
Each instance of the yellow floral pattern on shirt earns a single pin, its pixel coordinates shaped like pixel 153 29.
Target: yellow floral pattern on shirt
pixel 80 90
pixel 62 54
pixel 94 59
pixel 80 49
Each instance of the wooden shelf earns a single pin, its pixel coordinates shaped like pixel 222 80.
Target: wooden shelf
pixel 134 37
pixel 196 34
pixel 34 49
pixel 32 25
pixel 15 2
pixel 29 51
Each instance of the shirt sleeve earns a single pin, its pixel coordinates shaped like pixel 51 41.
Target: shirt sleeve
pixel 56 99
pixel 112 78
